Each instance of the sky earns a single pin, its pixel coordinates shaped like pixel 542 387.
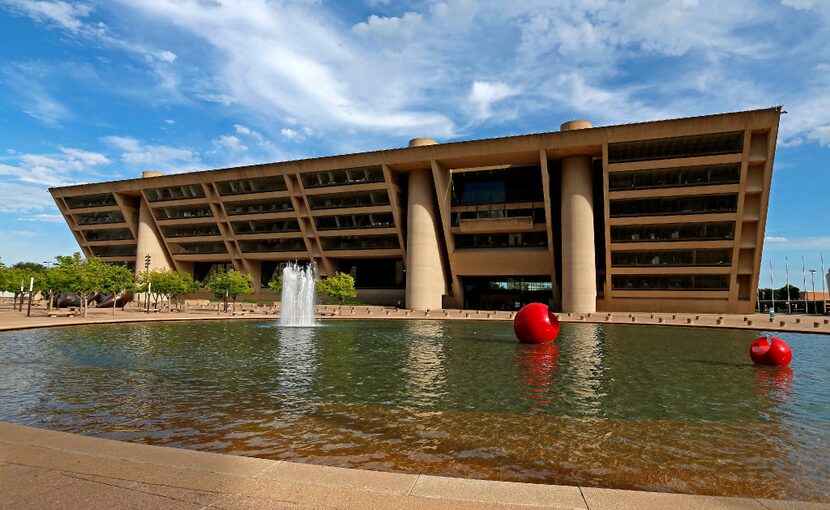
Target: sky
pixel 102 90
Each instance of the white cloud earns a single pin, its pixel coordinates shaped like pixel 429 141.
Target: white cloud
pixel 28 81
pixel 23 198
pixel 800 244
pixel 484 94
pixel 45 218
pixel 165 56
pixel 53 169
pixel 161 157
pixel 231 143
pixel 774 239
pixel 63 14
pixel 222 99
pixel 404 27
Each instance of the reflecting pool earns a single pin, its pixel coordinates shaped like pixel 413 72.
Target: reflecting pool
pixel 625 406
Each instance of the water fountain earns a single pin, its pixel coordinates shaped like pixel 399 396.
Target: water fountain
pixel 298 297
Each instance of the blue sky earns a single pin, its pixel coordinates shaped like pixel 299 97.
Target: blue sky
pixel 99 90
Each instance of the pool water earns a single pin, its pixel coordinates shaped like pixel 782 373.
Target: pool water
pixel 624 406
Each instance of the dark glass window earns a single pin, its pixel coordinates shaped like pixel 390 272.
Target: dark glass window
pixel 118 250
pixel 497 186
pixel 174 192
pixel 520 240
pixel 359 242
pixel 341 200
pixel 675 205
pixel 711 144
pixel 82 201
pixel 376 220
pixel 99 218
pixel 195 230
pixel 259 206
pixel 264 226
pixel 272 245
pixel 184 211
pixel 673 232
pixel 257 185
pixel 537 214
pixel 344 176
pixel 198 248
pixel 671 282
pixel 375 273
pixel 675 177
pixel 110 234
pixel 701 257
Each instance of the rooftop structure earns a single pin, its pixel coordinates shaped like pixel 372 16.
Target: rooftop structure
pixel 654 216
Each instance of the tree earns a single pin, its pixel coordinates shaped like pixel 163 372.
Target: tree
pixel 52 282
pixel 84 277
pixel 781 294
pixel 170 284
pixel 276 283
pixel 114 280
pixel 15 279
pixel 340 286
pixel 230 284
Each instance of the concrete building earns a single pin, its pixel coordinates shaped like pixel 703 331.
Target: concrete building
pixel 654 216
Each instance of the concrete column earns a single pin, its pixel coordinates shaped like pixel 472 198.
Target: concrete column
pixel 425 281
pixel 148 242
pixel 579 272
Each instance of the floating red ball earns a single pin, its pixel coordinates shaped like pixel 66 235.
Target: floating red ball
pixel 536 324
pixel 770 351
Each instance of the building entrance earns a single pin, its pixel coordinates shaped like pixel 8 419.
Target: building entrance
pixel 506 292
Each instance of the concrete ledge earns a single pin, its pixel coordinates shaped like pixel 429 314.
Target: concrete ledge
pixel 45 469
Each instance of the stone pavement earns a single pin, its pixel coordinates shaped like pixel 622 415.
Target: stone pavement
pixel 42 469
pixel 12 319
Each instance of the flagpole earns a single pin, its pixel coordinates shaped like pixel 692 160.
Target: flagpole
pixel 787 270
pixel 823 282
pixel 804 283
pixel 772 285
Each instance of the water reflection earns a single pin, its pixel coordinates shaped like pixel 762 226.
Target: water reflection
pixel 424 369
pixel 539 365
pixel 296 359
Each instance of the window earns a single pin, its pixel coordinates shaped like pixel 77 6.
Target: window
pixel 674 205
pixel 497 186
pixel 359 242
pixel 174 193
pixel 196 230
pixel 341 200
pixel 259 206
pixel 198 248
pixel 118 250
pixel 256 185
pixel 675 177
pixel 110 234
pixel 538 215
pixel 184 211
pixel 711 144
pixel 82 201
pixel 344 176
pixel 700 257
pixel 519 240
pixel 673 232
pixel 264 226
pixel 272 245
pixel 376 220
pixel 671 282
pixel 99 218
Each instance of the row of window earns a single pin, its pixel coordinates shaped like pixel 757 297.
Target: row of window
pixel 671 282
pixel 538 215
pixel 700 257
pixel 520 240
pixel 272 245
pixel 99 218
pixel 255 185
pixel 117 250
pixel 182 192
pixel 259 206
pixel 204 248
pixel 344 176
pixel 341 200
pixel 183 211
pixel 674 232
pixel 265 226
pixel 195 230
pixel 110 234
pixel 674 205
pixel 375 220
pixel 360 243
pixel 497 186
pixel 675 177
pixel 712 144
pixel 81 201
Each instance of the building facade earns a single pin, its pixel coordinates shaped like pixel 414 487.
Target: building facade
pixel 654 216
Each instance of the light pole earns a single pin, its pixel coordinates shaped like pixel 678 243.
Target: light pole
pixel 813 279
pixel 147 259
pixel 31 288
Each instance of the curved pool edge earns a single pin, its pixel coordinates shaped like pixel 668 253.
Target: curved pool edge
pixel 13 320
pixel 42 468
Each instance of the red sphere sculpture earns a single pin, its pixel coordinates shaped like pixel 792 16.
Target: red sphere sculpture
pixel 770 351
pixel 535 324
